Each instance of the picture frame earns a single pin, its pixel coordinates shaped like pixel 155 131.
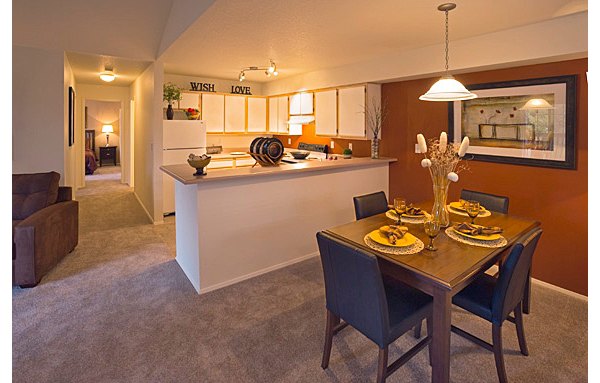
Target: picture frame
pixel 524 122
pixel 71 116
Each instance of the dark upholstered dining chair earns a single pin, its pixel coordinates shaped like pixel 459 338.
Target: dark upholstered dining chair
pixel 382 309
pixel 491 202
pixel 493 299
pixel 370 204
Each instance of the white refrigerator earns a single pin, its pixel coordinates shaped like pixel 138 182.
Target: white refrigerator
pixel 180 138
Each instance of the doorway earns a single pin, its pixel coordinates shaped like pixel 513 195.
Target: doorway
pixel 103 127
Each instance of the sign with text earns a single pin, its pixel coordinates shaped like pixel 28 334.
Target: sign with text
pixel 236 89
pixel 208 87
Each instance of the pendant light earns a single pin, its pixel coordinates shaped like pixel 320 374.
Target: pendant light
pixel 447 88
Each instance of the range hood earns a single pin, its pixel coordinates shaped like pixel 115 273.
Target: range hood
pixel 301 119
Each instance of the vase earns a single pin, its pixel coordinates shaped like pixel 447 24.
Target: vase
pixel 375 147
pixel 169 112
pixel 440 195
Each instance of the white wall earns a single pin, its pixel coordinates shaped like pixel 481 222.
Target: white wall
pixel 69 151
pixel 558 39
pixel 38 111
pixel 222 86
pixel 119 94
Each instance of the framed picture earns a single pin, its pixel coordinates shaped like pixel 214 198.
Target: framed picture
pixel 524 122
pixel 71 116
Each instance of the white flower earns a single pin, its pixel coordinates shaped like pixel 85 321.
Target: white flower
pixel 426 163
pixel 443 142
pixel 464 146
pixel 453 176
pixel 422 143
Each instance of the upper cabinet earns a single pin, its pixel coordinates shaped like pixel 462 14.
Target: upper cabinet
pixel 257 114
pixel 278 115
pixel 213 112
pixel 235 114
pixel 301 103
pixel 326 123
pixel 189 100
pixel 351 107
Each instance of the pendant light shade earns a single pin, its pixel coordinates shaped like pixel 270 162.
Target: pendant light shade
pixel 447 88
pixel 536 103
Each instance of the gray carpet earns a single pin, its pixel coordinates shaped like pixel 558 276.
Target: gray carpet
pixel 119 309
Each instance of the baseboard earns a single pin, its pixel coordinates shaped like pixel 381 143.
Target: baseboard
pixel 257 273
pixel 494 269
pixel 143 207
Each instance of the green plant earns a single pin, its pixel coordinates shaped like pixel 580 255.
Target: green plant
pixel 347 152
pixel 171 92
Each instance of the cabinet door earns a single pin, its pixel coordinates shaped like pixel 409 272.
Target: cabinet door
pixel 235 114
pixel 306 103
pixel 326 113
pixel 296 104
pixel 282 115
pixel 189 100
pixel 213 112
pixel 273 115
pixel 257 114
pixel 351 112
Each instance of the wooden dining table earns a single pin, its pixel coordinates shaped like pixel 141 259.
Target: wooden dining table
pixel 441 273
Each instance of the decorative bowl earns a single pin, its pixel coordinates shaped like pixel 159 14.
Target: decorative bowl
pixel 300 155
pixel 199 163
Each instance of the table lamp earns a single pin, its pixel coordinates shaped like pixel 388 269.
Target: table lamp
pixel 107 129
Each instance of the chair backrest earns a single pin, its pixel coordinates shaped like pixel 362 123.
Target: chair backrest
pixel 513 276
pixel 33 192
pixel 353 288
pixel 491 202
pixel 370 204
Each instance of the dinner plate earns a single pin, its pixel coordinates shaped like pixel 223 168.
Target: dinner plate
pixel 459 206
pixel 413 215
pixel 491 237
pixel 237 153
pixel 407 240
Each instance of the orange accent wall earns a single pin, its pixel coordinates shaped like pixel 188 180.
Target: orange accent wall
pixel 555 197
pixel 360 148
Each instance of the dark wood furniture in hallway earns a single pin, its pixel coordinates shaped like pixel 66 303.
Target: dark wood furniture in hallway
pixel 108 154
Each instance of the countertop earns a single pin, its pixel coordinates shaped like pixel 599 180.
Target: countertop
pixel 184 173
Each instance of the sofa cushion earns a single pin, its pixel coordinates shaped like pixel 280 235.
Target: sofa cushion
pixel 33 192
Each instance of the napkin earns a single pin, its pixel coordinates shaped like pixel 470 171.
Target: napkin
pixel 463 202
pixel 467 228
pixel 414 211
pixel 393 232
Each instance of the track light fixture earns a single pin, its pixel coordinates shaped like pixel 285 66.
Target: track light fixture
pixel 270 70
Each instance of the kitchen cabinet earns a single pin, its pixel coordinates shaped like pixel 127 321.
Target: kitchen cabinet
pixel 351 107
pixel 189 100
pixel 213 112
pixel 278 115
pixel 235 114
pixel 257 114
pixel 326 113
pixel 301 103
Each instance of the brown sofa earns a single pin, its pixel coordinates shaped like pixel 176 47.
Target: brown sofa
pixel 45 225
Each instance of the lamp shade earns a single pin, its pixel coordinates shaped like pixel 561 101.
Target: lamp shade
pixel 107 129
pixel 107 76
pixel 447 89
pixel 536 103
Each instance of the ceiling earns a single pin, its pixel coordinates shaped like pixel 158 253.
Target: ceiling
pixel 215 39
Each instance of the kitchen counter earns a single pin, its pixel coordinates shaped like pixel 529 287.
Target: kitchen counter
pixel 235 224
pixel 184 173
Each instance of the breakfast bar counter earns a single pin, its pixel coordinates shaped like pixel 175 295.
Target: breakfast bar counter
pixel 234 224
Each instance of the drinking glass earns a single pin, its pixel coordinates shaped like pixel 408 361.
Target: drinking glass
pixel 432 228
pixel 473 209
pixel 399 207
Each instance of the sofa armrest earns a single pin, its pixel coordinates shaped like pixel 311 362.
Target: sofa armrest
pixel 65 193
pixel 43 239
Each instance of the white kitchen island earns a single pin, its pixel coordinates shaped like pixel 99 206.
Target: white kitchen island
pixel 234 224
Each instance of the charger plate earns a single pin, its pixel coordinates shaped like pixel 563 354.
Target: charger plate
pixel 482 214
pixel 472 240
pixel 391 214
pixel 416 247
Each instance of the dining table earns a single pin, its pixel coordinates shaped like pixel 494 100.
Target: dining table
pixel 441 273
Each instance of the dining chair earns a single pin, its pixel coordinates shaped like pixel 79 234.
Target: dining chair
pixel 493 299
pixel 370 204
pixel 380 308
pixel 498 204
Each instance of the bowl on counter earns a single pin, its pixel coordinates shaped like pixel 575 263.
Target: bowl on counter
pixel 199 162
pixel 299 155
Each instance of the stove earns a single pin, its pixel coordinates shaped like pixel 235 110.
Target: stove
pixel 316 152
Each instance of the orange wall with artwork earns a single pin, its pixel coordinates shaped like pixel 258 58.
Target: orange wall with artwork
pixel 557 198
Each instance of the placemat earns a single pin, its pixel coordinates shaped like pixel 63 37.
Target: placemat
pixel 500 242
pixel 485 213
pixel 412 249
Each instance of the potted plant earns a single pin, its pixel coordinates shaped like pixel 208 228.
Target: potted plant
pixel 376 114
pixel 347 153
pixel 171 93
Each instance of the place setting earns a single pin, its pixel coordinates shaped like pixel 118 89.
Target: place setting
pixel 393 239
pixel 461 207
pixel 473 234
pixel 401 212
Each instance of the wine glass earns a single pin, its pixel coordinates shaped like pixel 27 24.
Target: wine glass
pixel 400 208
pixel 473 209
pixel 432 228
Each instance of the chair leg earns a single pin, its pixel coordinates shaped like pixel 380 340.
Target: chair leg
pixel 382 365
pixel 527 294
pixel 332 321
pixel 521 330
pixel 497 346
pixel 418 330
pixel 429 324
